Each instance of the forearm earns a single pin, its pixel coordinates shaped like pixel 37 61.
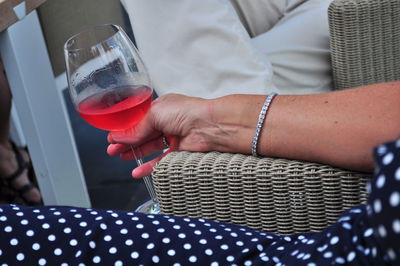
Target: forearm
pixel 338 128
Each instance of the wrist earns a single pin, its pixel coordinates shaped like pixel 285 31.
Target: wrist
pixel 231 122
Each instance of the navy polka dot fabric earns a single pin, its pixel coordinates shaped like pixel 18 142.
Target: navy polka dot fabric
pixel 59 235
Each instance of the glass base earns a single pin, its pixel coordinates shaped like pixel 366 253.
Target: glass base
pixel 149 207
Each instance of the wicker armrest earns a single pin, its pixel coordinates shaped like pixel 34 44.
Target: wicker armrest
pixel 365 41
pixel 277 195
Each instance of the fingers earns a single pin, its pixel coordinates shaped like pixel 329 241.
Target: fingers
pixel 146 168
pixel 148 148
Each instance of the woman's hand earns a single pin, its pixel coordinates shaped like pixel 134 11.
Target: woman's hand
pixel 178 118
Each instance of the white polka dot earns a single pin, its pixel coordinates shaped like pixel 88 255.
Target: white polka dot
pixel 340 260
pixel 14 242
pixel 381 149
pixel 119 222
pixel 203 241
pixel 177 227
pixel 24 222
pixel 92 244
pixel 61 220
pixel 388 158
pixel 88 232
pixel 300 255
pixel 8 229
pixel 20 256
pixel 51 237
pixel 42 262
pixel 40 217
pixel 214 263
pixel 320 249
pixel 193 259
pixel 78 253
pixel 208 252
pixel 171 252
pixel 156 222
pixel 187 246
pixel 368 232
pixel 311 264
pixel 112 250
pixel 35 246
pixel 45 226
pixel 67 230
pixel 328 254
pixel 380 182
pixel 382 231
pixel 134 255
pixel 351 256
pixel 239 243
pixel 219 237
pixel 248 263
pixel 124 231
pixel 161 230
pixel 145 235
pixel 107 238
pixel 182 235
pixel 129 242
pixel 395 199
pixel 397 174
pixel 57 252
pixel 391 254
pixel 150 246
pixel 307 256
pixel 396 226
pixel 166 240
pixel 377 206
pixel 367 251
pixel 118 263
pixel 3 218
pixel 96 259
pixel 233 234
pixel 139 226
pixel 78 215
pixel 310 242
pixel 83 224
pixel 224 247
pixel 334 240
pixel 197 232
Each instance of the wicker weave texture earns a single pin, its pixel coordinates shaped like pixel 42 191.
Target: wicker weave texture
pixel 365 41
pixel 276 195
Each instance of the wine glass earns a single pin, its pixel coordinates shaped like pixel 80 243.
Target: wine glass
pixel 109 85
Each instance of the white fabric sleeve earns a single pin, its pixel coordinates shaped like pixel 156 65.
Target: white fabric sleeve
pixel 198 48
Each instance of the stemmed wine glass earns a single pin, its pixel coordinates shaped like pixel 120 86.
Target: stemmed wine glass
pixel 109 85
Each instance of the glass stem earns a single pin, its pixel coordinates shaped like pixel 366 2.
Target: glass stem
pixel 147 179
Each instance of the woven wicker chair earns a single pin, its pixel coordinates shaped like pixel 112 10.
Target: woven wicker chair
pixel 280 195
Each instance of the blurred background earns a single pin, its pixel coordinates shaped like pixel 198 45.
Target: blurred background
pixel 108 180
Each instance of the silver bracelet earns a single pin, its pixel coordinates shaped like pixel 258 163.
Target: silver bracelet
pixel 260 122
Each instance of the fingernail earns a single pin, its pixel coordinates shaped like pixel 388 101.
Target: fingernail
pixel 135 173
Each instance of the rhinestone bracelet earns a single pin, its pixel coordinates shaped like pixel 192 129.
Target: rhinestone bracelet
pixel 260 122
